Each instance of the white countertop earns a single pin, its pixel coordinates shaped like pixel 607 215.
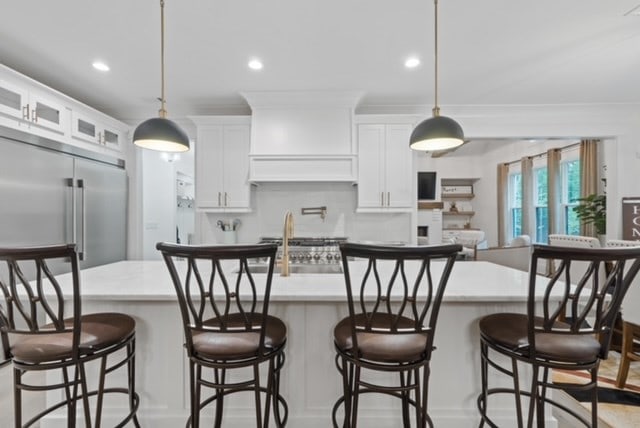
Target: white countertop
pixel 149 280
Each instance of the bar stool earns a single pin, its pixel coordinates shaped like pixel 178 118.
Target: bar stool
pixel 568 326
pixel 227 326
pixel 391 323
pixel 37 337
pixel 628 332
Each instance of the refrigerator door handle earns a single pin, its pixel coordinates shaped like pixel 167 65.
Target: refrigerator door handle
pixel 70 184
pixel 82 253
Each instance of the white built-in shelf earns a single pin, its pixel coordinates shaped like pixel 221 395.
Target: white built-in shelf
pixel 460 213
pixel 457 195
pixel 459 228
pixel 428 205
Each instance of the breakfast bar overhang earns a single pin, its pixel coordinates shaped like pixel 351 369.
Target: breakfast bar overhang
pixel 310 304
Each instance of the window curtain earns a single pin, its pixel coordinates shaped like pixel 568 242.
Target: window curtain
pixel 588 177
pixel 528 207
pixel 503 203
pixel 554 191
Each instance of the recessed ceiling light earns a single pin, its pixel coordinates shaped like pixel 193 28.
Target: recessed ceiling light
pixel 412 62
pixel 101 66
pixel 255 64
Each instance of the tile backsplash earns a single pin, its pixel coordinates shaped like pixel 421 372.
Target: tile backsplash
pixel 270 202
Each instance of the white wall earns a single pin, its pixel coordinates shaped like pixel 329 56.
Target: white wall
pixel 159 202
pixel 152 195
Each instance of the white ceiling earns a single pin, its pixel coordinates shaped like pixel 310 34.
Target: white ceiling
pixel 491 51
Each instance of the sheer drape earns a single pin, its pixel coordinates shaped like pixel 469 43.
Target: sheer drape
pixel 588 177
pixel 528 207
pixel 503 203
pixel 554 191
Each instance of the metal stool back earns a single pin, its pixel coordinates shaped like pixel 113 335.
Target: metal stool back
pixel 394 299
pixel 225 314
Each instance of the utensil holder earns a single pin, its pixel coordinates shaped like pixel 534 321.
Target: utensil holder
pixel 229 237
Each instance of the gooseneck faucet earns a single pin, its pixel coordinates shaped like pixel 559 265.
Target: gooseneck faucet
pixel 286 235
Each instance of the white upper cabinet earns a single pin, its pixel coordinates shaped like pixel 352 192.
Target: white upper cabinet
pixel 222 164
pixel 385 168
pixel 32 108
pixel 94 129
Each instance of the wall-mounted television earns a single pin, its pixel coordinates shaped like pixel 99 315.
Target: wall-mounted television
pixel 426 186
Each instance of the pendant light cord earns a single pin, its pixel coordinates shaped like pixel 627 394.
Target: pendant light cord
pixel 163 110
pixel 436 108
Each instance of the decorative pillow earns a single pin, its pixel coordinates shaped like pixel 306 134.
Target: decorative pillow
pixel 521 241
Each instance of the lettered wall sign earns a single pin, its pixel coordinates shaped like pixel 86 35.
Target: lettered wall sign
pixel 631 218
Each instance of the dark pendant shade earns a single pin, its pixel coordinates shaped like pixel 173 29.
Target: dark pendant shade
pixel 436 133
pixel 161 134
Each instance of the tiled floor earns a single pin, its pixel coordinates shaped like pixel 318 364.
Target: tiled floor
pixel 610 415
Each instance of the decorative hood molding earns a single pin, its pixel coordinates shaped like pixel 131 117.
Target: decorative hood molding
pixel 302 136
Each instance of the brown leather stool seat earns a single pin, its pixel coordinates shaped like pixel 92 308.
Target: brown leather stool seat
pixel 98 331
pixel 511 331
pixel 385 347
pixel 63 344
pixel 568 326
pixel 215 345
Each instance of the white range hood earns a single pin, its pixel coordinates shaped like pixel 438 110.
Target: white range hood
pixel 302 136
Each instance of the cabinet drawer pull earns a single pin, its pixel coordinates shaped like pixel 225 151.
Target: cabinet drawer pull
pixel 388 198
pixel 219 203
pixel 25 112
pixel 226 202
pixel 382 199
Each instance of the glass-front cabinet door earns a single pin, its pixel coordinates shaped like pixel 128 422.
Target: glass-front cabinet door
pixel 31 107
pixel 13 100
pixel 86 128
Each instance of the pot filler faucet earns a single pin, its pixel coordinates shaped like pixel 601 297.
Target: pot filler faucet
pixel 321 211
pixel 286 235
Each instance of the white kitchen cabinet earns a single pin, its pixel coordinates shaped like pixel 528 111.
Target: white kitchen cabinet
pixel 222 167
pixel 32 108
pixel 384 168
pixel 94 129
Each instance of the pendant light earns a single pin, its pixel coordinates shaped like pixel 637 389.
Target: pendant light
pixel 437 132
pixel 160 133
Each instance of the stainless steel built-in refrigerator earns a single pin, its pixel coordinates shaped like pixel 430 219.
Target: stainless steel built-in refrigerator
pixel 54 193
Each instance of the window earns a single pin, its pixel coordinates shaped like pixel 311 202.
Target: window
pixel 570 171
pixel 540 202
pixel 515 204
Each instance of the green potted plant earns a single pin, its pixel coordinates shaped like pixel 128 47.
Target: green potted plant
pixel 593 210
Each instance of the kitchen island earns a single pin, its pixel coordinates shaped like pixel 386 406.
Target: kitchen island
pixel 310 305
